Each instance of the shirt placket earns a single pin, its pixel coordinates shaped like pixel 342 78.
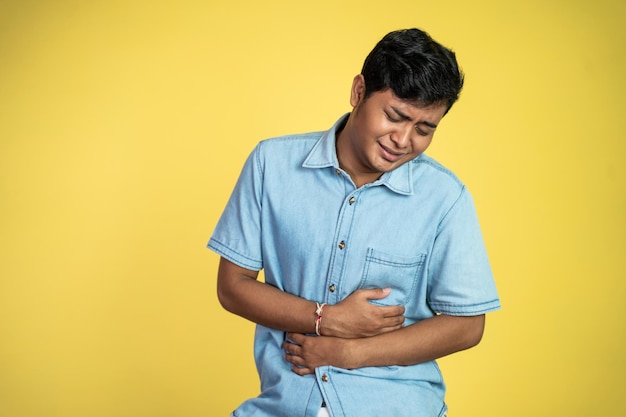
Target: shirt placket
pixel 341 243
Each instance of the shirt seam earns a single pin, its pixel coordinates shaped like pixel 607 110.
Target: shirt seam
pixel 485 307
pixel 227 252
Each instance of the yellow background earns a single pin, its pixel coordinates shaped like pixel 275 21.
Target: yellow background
pixel 124 124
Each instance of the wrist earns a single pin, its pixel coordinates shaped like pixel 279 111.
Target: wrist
pixel 319 313
pixel 351 353
pixel 327 326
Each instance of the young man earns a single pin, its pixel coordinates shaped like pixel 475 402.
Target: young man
pixel 373 258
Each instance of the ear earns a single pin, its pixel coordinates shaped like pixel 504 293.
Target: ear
pixel 358 90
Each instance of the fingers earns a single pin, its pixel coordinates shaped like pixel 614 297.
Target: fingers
pixel 296 338
pixel 293 352
pixel 392 318
pixel 292 345
pixel 302 370
pixel 295 360
pixel 394 323
pixel 392 311
pixel 380 293
pixel 375 293
pixel 291 348
pixel 298 365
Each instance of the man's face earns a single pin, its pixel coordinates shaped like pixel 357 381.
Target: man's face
pixel 383 132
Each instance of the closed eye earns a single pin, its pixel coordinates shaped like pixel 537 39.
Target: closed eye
pixel 421 131
pixel 430 127
pixel 391 118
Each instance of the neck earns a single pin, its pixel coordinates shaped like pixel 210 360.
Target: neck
pixel 347 160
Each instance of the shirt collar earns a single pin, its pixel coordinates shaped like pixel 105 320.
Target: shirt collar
pixel 324 155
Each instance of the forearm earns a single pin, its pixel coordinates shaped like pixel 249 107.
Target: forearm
pixel 421 342
pixel 240 293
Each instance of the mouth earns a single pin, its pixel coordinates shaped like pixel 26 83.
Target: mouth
pixel 388 154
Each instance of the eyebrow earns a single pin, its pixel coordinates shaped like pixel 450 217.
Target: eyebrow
pixel 408 118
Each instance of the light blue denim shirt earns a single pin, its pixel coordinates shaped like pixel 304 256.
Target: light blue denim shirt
pixel 298 216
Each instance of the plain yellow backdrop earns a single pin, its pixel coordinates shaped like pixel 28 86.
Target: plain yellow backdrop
pixel 123 127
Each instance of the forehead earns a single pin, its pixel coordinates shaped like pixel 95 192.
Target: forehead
pixel 410 107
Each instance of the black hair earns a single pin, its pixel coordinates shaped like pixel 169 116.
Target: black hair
pixel 415 67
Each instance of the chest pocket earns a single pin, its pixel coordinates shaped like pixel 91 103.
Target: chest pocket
pixel 399 273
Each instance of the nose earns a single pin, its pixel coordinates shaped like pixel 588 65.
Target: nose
pixel 401 136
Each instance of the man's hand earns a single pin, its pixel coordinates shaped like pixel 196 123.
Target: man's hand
pixel 356 317
pixel 305 353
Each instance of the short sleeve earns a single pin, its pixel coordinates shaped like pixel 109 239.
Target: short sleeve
pixel 237 236
pixel 460 281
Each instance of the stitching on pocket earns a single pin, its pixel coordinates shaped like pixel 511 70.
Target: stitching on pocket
pixel 392 271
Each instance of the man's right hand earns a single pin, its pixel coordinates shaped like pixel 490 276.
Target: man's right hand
pixel 356 317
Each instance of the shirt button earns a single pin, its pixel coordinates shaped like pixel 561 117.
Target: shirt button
pixel 352 200
pixel 337 171
pixel 325 378
pixel 332 288
pixel 342 244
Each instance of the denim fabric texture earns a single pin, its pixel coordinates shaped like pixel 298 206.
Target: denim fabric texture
pixel 295 214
